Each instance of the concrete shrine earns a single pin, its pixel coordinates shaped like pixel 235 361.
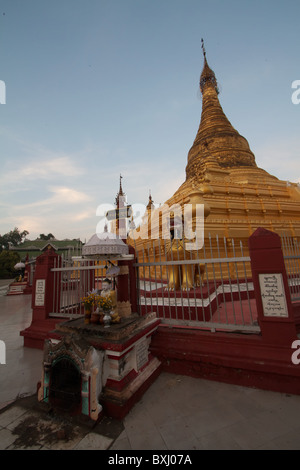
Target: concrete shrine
pixel 90 366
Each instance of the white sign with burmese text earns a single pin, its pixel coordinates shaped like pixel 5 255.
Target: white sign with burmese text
pixel 141 353
pixel 40 292
pixel 273 295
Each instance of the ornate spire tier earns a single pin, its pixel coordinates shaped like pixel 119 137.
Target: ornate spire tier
pixel 216 142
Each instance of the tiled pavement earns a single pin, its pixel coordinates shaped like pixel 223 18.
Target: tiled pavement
pixel 176 413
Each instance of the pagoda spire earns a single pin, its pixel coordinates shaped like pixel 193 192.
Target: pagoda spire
pixel 207 75
pixel 121 189
pixel 120 204
pixel 150 205
pixel 216 141
pixel 120 193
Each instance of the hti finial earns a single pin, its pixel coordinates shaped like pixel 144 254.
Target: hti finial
pixel 203 48
pixel 150 202
pixel 121 189
pixel 120 193
pixel 207 75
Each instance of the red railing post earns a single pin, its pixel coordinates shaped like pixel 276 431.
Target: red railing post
pixel 127 288
pixel 274 306
pixel 44 296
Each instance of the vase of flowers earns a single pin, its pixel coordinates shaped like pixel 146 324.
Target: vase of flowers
pixel 107 319
pixel 105 303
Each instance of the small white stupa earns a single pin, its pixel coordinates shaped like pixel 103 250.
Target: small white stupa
pixel 104 244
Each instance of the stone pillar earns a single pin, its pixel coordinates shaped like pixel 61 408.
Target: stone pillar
pixel 127 288
pixel 27 277
pixel 133 280
pixel 44 296
pixel 274 306
pixel 123 297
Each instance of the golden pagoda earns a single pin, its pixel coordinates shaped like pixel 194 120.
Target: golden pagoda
pixel 222 174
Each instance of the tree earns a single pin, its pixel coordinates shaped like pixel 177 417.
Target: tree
pixel 46 237
pixel 8 259
pixel 14 237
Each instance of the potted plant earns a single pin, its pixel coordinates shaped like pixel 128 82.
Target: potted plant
pixel 88 302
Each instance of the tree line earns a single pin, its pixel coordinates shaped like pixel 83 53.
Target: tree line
pixel 9 258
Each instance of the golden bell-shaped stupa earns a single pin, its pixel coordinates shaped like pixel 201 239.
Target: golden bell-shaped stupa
pixel 240 196
pixel 221 174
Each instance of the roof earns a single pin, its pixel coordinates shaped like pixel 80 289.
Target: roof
pixel 35 247
pixel 105 243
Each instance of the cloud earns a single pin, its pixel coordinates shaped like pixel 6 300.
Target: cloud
pixel 36 169
pixel 281 159
pixel 38 163
pixel 61 165
pixel 68 196
pixel 60 213
pixel 33 224
pixel 84 215
pixel 45 191
pixel 61 196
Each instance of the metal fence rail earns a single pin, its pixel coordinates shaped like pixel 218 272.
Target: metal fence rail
pixel 291 253
pixel 209 288
pixel 214 288
pixel 73 280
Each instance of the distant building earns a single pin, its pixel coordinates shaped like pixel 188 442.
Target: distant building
pixel 35 247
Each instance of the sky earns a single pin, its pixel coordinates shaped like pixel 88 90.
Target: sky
pixel 92 89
